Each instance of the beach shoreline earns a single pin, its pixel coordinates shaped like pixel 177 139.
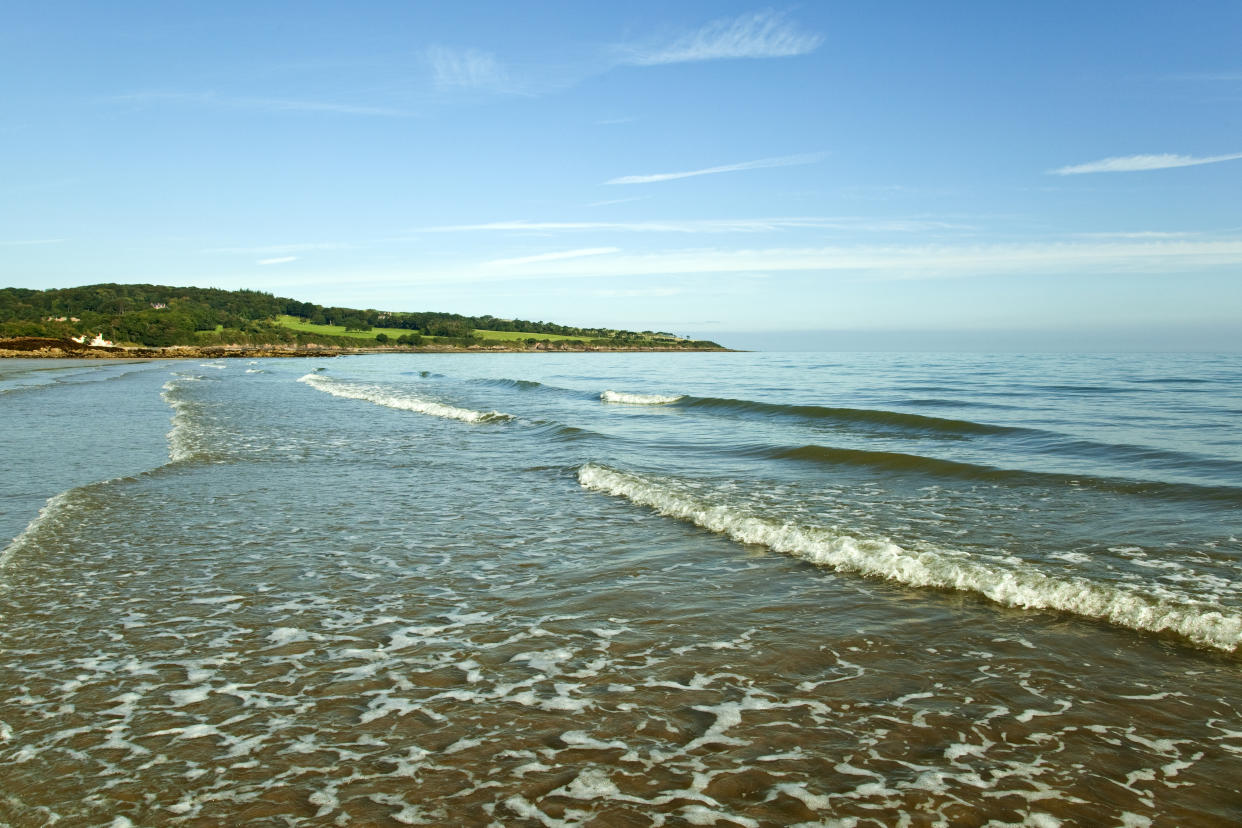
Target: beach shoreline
pixel 48 348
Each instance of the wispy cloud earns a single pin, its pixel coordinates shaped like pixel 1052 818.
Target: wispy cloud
pixel 764 34
pixel 1136 234
pixel 552 257
pixel 889 262
pixel 279 248
pixel 1141 163
pixel 630 293
pixel 30 242
pixel 249 102
pixel 278 260
pixel 610 201
pixel 469 69
pixel 752 225
pixel 760 164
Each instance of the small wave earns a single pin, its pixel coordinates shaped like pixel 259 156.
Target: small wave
pixel 522 385
pixel 52 510
pixel 1024 588
pixel 403 401
pixel 861 416
pixel 181 438
pixel 561 433
pixel 1086 389
pixel 941 402
pixel 933 466
pixel 639 399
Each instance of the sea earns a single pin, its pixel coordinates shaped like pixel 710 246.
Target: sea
pixel 607 589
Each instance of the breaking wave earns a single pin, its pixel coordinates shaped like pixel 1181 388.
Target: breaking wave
pixel 181 442
pixel 638 399
pixel 400 400
pixel 1024 587
pixel 53 510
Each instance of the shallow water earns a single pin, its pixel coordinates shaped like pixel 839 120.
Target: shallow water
pixel 675 589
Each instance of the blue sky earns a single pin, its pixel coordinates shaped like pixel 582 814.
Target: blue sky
pixel 991 175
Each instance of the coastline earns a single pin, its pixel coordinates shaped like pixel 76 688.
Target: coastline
pixel 47 348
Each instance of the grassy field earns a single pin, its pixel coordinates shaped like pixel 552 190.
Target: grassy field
pixel 338 330
pixel 510 336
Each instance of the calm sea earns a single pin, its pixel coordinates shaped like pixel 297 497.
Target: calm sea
pixel 605 589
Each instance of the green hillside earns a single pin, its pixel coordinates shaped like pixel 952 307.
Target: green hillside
pixel 159 316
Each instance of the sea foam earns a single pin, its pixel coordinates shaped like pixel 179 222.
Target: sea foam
pixel 1023 587
pixel 181 436
pixel 28 538
pixel 397 399
pixel 638 399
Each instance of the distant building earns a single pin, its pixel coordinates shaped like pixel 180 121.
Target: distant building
pixel 97 342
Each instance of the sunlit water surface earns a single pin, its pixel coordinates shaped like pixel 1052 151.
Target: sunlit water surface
pixel 733 589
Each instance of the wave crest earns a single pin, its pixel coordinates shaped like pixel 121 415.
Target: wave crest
pixel 403 401
pixel 638 399
pixel 1025 588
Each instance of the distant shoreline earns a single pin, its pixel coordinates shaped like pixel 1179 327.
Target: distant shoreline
pixel 47 348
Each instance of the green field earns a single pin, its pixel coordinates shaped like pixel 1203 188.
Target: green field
pixel 297 324
pixel 336 330
pixel 510 336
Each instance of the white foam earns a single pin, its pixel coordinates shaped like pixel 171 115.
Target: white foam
pixel 592 783
pixel 638 399
pixel 399 400
pixel 54 505
pixel 181 698
pixel 180 443
pixel 1023 586
pixel 291 635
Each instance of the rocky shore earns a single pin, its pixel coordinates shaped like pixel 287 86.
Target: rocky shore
pixel 46 348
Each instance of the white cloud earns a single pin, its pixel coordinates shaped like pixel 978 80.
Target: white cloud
pixel 756 225
pixel 760 164
pixel 764 34
pixel 551 257
pixel 455 69
pixel 1141 163
pixel 1140 234
pixel 280 248
pixel 631 293
pixel 278 260
pixel 884 262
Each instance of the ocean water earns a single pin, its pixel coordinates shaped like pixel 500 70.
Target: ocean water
pixel 622 589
